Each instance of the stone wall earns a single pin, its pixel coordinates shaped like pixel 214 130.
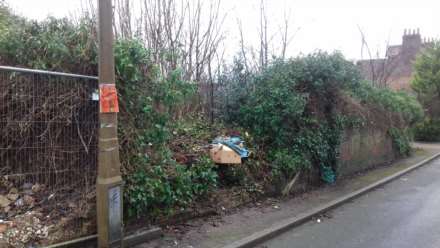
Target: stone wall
pixel 360 150
pixel 363 149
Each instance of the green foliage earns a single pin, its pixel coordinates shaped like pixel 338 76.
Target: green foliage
pixel 4 16
pixel 54 44
pixel 290 110
pixel 427 71
pixel 399 102
pixel 286 164
pixel 148 96
pixel 426 80
pixel 428 130
pixel 155 190
pixel 7 19
pixel 237 82
pixel 400 140
pixel 323 74
pixel 203 176
pixel 276 109
pixel 148 99
pixel 321 143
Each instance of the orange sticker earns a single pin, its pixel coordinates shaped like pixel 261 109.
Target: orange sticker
pixel 108 98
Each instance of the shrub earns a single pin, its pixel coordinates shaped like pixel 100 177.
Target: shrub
pixel 54 44
pixel 286 164
pixel 155 181
pixel 290 109
pixel 427 71
pixel 426 80
pixel 155 190
pixel 400 140
pixel 203 176
pixel 235 83
pixel 400 102
pixel 276 109
pixel 428 130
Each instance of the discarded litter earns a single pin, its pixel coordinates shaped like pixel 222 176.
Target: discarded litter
pixel 228 150
pixel 327 174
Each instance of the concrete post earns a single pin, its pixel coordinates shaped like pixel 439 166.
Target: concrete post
pixel 109 181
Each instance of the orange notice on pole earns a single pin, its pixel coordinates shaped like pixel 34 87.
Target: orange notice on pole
pixel 108 97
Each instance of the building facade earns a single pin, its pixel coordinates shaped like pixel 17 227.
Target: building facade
pixel 396 69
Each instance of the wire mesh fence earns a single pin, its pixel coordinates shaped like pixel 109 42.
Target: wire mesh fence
pixel 48 155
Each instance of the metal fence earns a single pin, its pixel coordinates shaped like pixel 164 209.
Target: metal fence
pixel 48 155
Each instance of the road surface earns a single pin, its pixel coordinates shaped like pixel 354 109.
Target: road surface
pixel 403 214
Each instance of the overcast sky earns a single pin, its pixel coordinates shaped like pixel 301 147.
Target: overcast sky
pixel 323 24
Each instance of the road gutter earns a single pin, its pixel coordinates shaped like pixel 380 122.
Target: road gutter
pixel 283 226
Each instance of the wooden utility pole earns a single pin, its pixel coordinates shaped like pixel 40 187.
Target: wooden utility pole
pixel 109 181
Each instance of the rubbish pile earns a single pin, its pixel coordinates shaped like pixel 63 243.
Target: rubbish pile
pixel 32 214
pixel 228 150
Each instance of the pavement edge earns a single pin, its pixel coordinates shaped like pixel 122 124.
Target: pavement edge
pixel 283 226
pixel 128 241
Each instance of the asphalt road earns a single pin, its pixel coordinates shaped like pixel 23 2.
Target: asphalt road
pixel 403 214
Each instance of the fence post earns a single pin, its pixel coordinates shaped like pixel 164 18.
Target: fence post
pixel 109 181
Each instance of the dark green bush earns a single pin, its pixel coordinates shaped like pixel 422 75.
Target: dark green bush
pixel 428 130
pixel 286 164
pixel 158 189
pixel 290 110
pixel 203 176
pixel 156 182
pixel 400 140
pixel 54 44
pixel 276 109
pixel 400 102
pixel 235 82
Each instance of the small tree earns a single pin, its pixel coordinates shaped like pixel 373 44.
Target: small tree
pixel 427 72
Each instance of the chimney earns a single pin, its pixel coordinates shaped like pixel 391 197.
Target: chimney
pixel 411 43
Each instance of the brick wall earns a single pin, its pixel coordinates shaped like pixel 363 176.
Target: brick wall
pixel 363 149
